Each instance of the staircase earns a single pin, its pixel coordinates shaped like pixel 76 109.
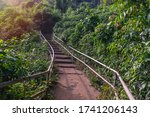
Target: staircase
pixel 73 84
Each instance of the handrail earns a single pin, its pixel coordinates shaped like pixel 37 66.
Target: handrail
pixel 7 83
pixel 128 93
pixel 51 53
pixel 114 89
pixel 114 71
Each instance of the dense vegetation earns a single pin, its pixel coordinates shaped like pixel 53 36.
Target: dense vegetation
pixel 17 20
pixel 116 34
pixel 22 53
pixel 20 58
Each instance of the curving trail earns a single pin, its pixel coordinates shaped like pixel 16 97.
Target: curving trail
pixel 73 84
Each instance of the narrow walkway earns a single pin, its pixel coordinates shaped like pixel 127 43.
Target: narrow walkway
pixel 73 83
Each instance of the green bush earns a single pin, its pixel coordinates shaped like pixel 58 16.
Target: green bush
pixel 117 35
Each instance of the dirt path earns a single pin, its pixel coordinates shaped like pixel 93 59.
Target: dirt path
pixel 73 84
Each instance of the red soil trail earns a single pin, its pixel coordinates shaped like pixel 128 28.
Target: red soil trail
pixel 73 84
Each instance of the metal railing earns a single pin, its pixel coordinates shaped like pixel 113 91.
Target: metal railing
pixel 117 75
pixel 46 73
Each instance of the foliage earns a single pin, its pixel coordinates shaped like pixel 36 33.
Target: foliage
pixel 117 35
pixel 28 16
pixel 21 57
pixel 22 53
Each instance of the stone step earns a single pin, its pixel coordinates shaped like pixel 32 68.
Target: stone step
pixel 59 53
pixel 63 61
pixel 66 65
pixel 62 57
